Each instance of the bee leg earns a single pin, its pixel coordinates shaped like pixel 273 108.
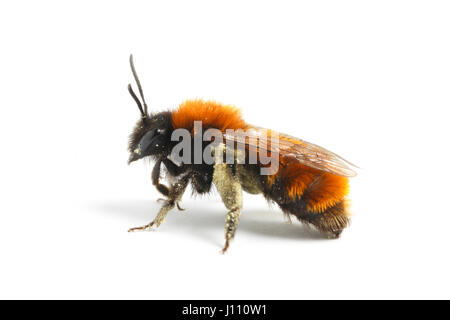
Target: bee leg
pixel 174 171
pixel 231 224
pixel 156 173
pixel 166 207
pixel 161 200
pixel 230 191
pixel 172 168
pixel 175 192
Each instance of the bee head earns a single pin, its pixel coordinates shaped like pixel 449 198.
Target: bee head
pixel 151 135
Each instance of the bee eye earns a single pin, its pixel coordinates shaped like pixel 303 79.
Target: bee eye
pixel 160 131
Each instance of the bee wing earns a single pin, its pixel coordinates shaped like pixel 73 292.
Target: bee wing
pixel 306 153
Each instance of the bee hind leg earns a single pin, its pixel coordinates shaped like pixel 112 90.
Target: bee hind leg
pixel 230 191
pixel 231 224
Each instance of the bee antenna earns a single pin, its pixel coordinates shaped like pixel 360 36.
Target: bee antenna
pixel 130 90
pixel 144 111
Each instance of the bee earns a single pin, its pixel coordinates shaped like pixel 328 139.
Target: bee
pixel 309 182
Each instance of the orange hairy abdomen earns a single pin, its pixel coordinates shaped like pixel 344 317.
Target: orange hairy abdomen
pixel 320 190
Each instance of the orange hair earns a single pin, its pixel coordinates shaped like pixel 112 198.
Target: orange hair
pixel 211 113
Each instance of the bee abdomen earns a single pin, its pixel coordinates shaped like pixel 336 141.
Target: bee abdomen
pixel 312 196
pixel 331 221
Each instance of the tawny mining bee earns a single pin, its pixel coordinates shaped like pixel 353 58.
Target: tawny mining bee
pixel 305 180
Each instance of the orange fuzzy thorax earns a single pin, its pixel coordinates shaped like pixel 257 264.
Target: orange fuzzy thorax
pixel 211 113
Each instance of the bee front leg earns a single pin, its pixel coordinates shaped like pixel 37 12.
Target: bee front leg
pixel 174 171
pixel 156 174
pixel 230 191
pixel 174 194
pixel 166 207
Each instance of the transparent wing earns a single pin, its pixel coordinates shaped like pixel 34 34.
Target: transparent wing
pixel 306 153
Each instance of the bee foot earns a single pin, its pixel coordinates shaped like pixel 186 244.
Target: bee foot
pixel 142 228
pixel 225 248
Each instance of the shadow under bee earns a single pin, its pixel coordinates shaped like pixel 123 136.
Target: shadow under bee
pixel 206 220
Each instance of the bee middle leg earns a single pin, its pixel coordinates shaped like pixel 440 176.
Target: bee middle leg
pixel 230 191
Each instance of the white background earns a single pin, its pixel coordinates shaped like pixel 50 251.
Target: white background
pixel 366 79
